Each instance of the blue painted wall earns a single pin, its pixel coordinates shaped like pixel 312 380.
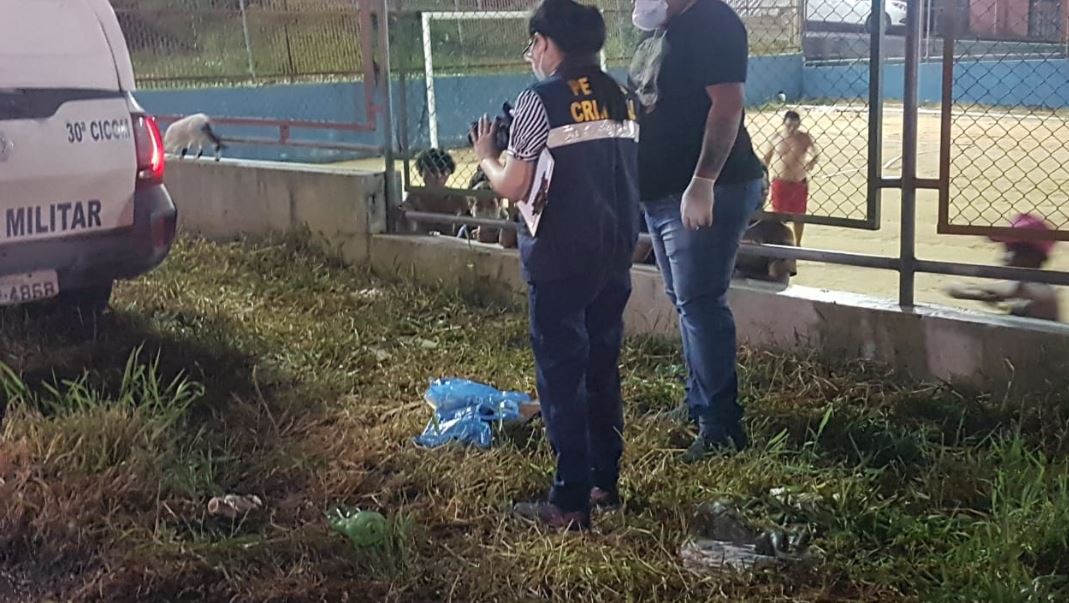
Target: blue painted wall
pixel 460 99
pixel 769 75
pixel 319 102
pixel 1020 83
pixel 1034 83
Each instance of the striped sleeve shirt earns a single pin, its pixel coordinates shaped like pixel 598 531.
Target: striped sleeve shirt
pixel 530 127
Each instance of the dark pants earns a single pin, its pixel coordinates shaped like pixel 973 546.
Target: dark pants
pixel 576 334
pixel 696 266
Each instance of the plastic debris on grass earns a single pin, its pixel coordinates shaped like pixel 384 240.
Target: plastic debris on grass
pixel 722 540
pixel 465 412
pixel 233 506
pixel 364 529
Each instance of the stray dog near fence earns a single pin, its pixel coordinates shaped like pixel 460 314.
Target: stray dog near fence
pixel 768 231
pixel 193 132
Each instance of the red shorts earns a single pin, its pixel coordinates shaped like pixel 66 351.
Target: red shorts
pixel 790 197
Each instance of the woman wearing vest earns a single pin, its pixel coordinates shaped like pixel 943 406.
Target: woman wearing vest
pixel 577 263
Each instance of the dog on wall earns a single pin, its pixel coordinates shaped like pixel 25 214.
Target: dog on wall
pixel 193 132
pixel 767 231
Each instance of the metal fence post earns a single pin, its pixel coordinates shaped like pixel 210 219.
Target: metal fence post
pixel 428 74
pixel 392 194
pixel 875 126
pixel 908 257
pixel 248 39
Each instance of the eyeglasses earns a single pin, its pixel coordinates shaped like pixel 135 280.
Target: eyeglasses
pixel 528 51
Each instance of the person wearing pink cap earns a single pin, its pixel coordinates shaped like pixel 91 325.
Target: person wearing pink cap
pixel 1020 298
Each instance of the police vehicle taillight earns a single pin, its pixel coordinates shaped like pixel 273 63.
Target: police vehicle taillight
pixel 149 144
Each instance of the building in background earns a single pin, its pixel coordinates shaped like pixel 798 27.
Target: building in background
pixel 1032 20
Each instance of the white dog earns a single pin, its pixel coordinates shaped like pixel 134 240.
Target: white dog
pixel 192 132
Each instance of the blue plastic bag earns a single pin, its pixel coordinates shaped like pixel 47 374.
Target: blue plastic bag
pixel 464 411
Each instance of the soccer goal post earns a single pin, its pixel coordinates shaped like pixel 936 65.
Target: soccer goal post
pixel 428 53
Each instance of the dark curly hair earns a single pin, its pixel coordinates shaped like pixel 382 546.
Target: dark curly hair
pixel 435 161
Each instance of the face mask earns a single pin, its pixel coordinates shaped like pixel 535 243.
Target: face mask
pixel 649 14
pixel 536 66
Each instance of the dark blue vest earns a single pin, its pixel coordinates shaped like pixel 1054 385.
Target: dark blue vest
pixel 590 221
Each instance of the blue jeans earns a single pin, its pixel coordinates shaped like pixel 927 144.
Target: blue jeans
pixel 577 329
pixel 697 266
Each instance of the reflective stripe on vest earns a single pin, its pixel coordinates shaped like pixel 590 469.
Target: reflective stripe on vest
pixel 570 134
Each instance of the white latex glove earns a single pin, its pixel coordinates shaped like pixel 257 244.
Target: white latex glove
pixel 698 202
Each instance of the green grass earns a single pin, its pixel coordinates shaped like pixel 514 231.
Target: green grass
pixel 179 46
pixel 266 369
pixel 209 46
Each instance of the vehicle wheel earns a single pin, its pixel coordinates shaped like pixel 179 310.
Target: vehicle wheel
pixel 91 301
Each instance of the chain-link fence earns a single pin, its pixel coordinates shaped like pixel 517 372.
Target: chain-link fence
pixel 459 60
pixel 1008 114
pixel 297 80
pixel 213 42
pixel 839 113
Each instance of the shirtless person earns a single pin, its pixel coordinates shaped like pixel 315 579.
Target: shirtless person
pixel 435 167
pixel 795 155
pixel 1019 298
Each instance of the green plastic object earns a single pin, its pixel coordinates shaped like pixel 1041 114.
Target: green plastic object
pixel 365 529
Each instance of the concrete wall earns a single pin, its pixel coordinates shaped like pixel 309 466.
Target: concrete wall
pixel 1010 83
pixel 460 99
pixel 343 210
pixel 993 353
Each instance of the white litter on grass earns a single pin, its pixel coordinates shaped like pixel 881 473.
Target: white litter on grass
pixel 723 540
pixel 233 506
pixel 794 498
pixel 704 556
pixel 368 294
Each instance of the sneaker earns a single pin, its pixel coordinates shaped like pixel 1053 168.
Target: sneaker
pixel 704 447
pixel 608 500
pixel 549 515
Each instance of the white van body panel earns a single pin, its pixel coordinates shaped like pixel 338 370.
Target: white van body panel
pixel 54 43
pixel 124 66
pixel 67 153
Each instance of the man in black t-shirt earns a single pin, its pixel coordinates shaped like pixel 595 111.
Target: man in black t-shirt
pixel 701 182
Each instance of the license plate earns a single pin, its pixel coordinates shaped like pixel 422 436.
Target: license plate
pixel 22 288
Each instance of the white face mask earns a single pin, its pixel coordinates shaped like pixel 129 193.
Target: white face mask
pixel 649 14
pixel 536 66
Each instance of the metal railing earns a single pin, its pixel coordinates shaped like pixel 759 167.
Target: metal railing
pixel 996 121
pixel 285 128
pixel 913 177
pixel 825 256
pixel 337 42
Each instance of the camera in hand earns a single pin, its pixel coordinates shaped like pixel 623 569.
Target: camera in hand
pixel 502 124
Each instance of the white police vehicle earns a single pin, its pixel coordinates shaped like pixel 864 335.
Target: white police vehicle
pixel 82 201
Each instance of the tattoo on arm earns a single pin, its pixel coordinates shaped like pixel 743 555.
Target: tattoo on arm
pixel 722 128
